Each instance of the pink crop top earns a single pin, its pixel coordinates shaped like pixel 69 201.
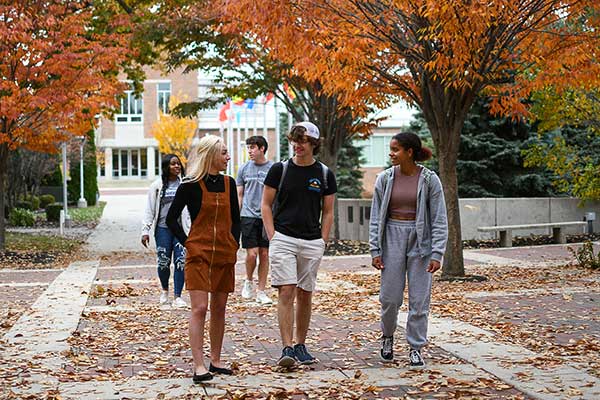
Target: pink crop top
pixel 403 202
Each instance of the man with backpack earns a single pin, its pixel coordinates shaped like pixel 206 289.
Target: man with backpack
pixel 297 212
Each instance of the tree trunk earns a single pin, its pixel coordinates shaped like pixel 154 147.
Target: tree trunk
pixel 453 260
pixel 445 111
pixel 3 169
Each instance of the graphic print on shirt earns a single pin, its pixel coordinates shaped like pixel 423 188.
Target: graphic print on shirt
pixel 259 177
pixel 171 190
pixel 314 185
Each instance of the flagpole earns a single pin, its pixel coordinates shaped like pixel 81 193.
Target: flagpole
pixel 265 117
pixel 230 139
pixel 246 122
pixel 239 140
pixel 254 130
pixel 277 128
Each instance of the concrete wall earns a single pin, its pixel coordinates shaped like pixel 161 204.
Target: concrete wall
pixel 354 215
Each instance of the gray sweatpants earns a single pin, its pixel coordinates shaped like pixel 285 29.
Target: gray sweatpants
pixel 401 259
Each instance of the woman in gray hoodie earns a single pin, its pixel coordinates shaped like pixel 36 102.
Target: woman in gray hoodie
pixel 408 231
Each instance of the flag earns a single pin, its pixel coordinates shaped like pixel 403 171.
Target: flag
pixel 238 101
pixel 290 93
pixel 269 97
pixel 249 103
pixel 223 112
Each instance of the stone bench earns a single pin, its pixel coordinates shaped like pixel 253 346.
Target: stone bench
pixel 558 232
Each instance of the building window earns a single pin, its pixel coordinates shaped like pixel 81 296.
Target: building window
pixel 144 162
pixel 127 163
pixel 132 108
pixel 375 150
pixel 164 96
pixel 115 164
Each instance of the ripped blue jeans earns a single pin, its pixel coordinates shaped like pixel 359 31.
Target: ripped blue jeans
pixel 168 248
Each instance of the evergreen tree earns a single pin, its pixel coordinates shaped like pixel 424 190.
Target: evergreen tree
pixel 490 163
pixel 349 176
pixel 90 181
pixel 284 128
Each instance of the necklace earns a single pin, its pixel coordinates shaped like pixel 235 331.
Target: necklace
pixel 211 179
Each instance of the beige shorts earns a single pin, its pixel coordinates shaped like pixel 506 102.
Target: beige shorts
pixel 295 261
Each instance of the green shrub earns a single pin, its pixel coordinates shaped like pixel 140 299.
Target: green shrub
pixel 35 202
pixel 24 205
pixel 53 212
pixel 46 199
pixel 21 217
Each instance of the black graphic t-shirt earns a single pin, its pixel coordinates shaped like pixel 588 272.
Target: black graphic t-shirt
pixel 298 213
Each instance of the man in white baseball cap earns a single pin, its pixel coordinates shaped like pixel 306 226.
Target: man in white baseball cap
pixel 311 129
pixel 303 191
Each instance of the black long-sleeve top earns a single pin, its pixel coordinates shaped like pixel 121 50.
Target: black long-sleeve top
pixel 190 194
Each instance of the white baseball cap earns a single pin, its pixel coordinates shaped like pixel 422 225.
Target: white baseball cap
pixel 311 129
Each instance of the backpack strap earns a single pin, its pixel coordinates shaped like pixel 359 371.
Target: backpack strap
pixel 325 169
pixel 283 172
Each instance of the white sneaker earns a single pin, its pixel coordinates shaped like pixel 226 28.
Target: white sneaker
pixel 263 298
pixel 247 289
pixel 179 303
pixel 164 297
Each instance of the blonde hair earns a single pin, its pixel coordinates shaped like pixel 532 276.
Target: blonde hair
pixel 202 156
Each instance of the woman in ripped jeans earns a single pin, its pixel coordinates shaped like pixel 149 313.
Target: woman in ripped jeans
pixel 160 196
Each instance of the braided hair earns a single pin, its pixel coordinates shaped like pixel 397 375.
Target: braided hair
pixel 165 165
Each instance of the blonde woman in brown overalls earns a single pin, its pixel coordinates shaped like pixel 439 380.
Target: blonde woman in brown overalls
pixel 211 247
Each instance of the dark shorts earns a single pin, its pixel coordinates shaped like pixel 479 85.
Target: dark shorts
pixel 253 234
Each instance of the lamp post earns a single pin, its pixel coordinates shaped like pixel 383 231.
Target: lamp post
pixel 82 202
pixel 67 218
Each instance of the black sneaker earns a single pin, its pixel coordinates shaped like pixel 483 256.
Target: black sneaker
pixel 387 349
pixel 415 358
pixel 303 356
pixel 288 357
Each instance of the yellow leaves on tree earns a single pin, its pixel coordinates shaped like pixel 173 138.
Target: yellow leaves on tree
pixel 574 106
pixel 576 172
pixel 174 134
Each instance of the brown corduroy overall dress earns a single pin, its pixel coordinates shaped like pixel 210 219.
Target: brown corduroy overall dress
pixel 211 249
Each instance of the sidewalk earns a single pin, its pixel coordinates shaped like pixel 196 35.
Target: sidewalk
pixel 94 330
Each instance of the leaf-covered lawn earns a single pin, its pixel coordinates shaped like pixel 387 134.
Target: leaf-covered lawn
pixel 32 242
pixel 89 214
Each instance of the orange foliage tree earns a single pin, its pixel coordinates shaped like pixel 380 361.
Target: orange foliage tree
pixel 197 35
pixel 205 35
pixel 58 72
pixel 436 54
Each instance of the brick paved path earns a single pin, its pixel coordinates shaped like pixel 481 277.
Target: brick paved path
pixel 531 331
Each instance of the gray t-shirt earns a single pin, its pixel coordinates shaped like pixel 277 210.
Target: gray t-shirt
pixel 252 177
pixel 165 202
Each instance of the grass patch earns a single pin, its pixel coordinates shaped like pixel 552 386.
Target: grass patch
pixel 89 214
pixel 30 242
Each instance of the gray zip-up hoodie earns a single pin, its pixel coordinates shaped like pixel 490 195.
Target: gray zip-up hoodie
pixel 431 220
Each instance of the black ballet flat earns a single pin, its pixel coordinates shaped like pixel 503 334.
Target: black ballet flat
pixel 207 376
pixel 218 370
